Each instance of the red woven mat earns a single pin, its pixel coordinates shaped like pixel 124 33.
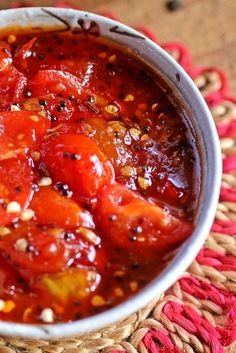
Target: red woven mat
pixel 198 314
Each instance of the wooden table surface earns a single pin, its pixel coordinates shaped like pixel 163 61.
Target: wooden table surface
pixel 206 27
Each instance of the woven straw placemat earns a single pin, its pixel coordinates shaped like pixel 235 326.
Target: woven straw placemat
pixel 198 313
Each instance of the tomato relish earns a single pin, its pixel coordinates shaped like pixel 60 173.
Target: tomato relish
pixel 99 176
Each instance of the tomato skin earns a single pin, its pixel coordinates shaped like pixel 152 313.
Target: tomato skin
pixel 22 54
pixel 77 161
pixel 16 180
pixel 52 208
pixel 22 130
pixel 55 81
pixel 64 110
pixel 48 251
pixel 12 82
pixel 103 133
pixel 5 59
pixel 7 274
pixel 137 224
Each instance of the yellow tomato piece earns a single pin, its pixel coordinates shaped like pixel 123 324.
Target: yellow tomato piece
pixel 71 285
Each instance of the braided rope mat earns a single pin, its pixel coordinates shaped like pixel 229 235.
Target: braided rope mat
pixel 198 313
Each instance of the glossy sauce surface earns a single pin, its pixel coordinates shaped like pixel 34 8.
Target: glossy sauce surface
pixel 99 176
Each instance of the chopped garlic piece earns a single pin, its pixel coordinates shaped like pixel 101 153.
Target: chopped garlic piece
pixel 128 171
pixel 116 126
pixel 118 292
pixel 20 137
pixel 35 155
pixel 14 108
pixel 26 314
pixel 11 38
pixel 91 276
pixel 144 137
pixel 133 286
pixel 56 231
pixel 112 59
pixel 97 300
pixel 129 98
pixel 21 244
pixel 2 304
pixel 119 273
pixel 60 87
pixel 111 109
pixel 47 315
pixel 45 181
pixel 52 248
pixel 140 239
pixel 9 306
pixel 13 207
pixel 35 118
pixel 155 107
pixel 88 235
pixel 144 183
pixel 27 214
pixel 134 133
pixel 4 231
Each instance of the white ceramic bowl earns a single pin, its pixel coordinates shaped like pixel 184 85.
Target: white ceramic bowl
pixel 208 143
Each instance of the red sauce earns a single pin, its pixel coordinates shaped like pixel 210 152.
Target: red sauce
pixel 99 176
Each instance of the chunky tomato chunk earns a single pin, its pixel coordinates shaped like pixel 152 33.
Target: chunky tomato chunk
pixel 108 136
pixel 71 285
pixel 19 131
pixel 35 250
pixel 12 82
pixel 77 161
pixel 134 223
pixel 23 54
pixel 16 180
pixel 63 110
pixel 55 81
pixel 60 210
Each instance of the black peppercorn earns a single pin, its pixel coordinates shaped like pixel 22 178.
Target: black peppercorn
pixel 112 217
pixel 66 154
pixel 18 188
pixel 132 238
pixel 43 102
pixel 173 5
pixel 27 94
pixel 137 230
pixel 74 156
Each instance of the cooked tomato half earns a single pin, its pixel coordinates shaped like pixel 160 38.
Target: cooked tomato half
pixel 52 208
pixel 16 180
pixel 134 223
pixel 19 131
pixel 77 161
pixel 35 250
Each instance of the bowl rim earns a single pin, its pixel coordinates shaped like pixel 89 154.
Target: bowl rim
pixel 186 253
